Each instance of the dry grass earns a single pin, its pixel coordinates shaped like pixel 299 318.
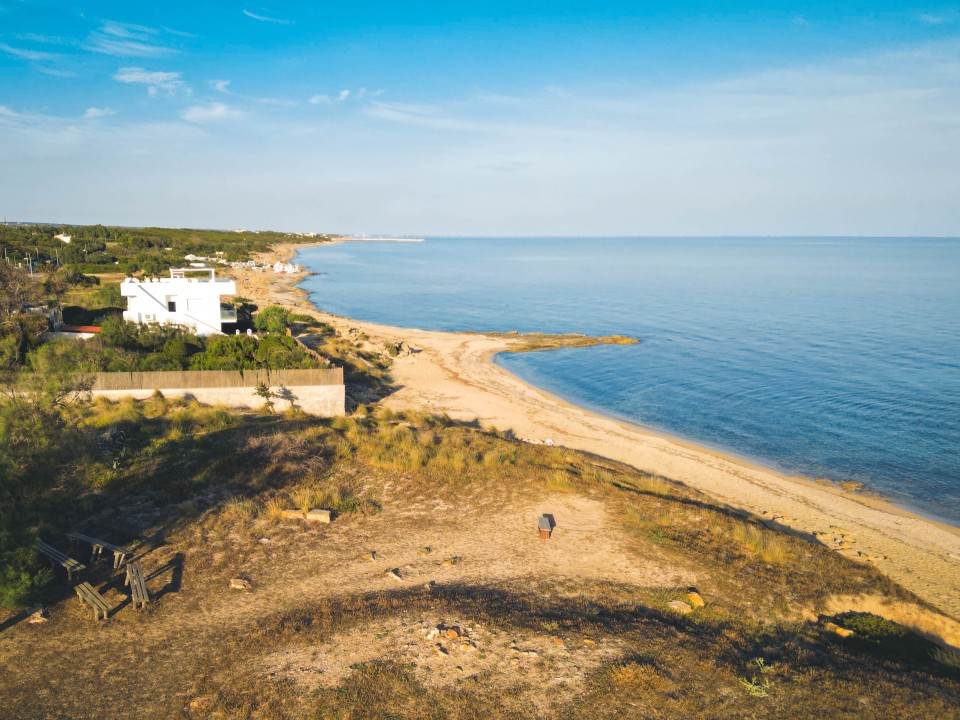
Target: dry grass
pixel 767 545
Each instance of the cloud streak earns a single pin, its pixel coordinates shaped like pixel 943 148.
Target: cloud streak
pixel 265 19
pixel 210 112
pixel 32 55
pixel 169 83
pixel 127 40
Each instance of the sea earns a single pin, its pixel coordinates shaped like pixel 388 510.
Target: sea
pixel 827 357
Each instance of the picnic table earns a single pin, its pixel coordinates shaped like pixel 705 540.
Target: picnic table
pixel 119 553
pixel 138 585
pixel 87 595
pixel 56 557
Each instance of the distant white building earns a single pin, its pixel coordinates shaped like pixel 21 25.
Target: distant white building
pixel 193 302
pixel 64 238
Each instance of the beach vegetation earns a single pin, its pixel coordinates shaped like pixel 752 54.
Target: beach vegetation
pixel 206 493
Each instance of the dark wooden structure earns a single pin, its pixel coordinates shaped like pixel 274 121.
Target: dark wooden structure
pixel 138 586
pixel 119 553
pixel 58 558
pixel 89 596
pixel 545 524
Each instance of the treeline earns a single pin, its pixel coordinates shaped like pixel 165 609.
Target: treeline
pixel 102 249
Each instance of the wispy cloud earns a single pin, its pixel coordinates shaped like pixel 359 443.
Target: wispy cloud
pixel 169 83
pixel 127 40
pixel 33 55
pixel 343 96
pixel 933 19
pixel 264 18
pixel 221 86
pixel 55 72
pixel 210 112
pixel 93 113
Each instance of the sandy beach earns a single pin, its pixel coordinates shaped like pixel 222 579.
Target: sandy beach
pixel 454 373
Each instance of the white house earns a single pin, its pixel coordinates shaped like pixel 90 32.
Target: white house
pixel 193 302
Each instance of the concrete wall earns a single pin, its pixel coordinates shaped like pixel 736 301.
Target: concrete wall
pixel 318 392
pixel 321 400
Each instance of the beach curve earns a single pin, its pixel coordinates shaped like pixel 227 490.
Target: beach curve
pixel 454 373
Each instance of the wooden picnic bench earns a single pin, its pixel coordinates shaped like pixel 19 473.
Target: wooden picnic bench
pixel 89 596
pixel 119 553
pixel 56 557
pixel 138 586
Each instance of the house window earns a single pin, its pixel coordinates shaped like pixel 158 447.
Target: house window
pixel 171 305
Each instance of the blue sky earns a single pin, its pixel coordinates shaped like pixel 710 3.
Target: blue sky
pixel 495 118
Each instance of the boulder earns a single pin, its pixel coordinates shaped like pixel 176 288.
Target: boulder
pixel 319 515
pixel 37 615
pixel 837 630
pixel 240 584
pixel 680 606
pixel 695 599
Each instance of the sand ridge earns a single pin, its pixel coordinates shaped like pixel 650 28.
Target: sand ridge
pixel 454 373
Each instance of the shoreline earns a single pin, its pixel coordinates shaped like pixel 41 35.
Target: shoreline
pixel 456 373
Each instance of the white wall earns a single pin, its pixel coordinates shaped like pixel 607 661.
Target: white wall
pixel 197 301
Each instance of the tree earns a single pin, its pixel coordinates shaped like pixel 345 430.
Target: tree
pixel 17 289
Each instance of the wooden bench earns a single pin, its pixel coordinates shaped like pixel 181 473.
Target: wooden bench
pixel 56 557
pixel 88 596
pixel 119 553
pixel 138 586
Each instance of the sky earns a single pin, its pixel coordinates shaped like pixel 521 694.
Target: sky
pixel 484 118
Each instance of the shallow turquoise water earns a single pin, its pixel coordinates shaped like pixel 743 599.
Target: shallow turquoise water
pixel 828 357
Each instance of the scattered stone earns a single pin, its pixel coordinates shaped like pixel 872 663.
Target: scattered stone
pixel 452 633
pixel 529 653
pixel 441 650
pixel 451 561
pixel 588 641
pixel 468 646
pixel 293 514
pixel 265 540
pixel 37 615
pixel 201 702
pixel 434 632
pixel 240 584
pixel 394 573
pixel 426 550
pixel 372 555
pixel 319 515
pixel 837 630
pixel 558 641
pixel 695 599
pixel 680 606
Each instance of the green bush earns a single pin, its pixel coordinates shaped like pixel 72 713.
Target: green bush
pixel 274 319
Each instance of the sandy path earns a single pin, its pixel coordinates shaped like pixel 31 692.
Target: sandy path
pixel 453 373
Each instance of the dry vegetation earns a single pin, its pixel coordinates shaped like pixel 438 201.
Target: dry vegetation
pixel 481 619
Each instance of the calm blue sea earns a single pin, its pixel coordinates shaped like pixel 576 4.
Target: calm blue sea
pixel 827 357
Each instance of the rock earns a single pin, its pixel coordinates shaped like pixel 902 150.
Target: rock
pixel 240 584
pixel 394 573
pixel 434 632
pixel 201 702
pixel 372 555
pixel 452 633
pixel 837 630
pixel 588 641
pixel 319 515
pixel 529 653
pixel 37 615
pixel 695 599
pixel 468 646
pixel 441 650
pixel 426 550
pixel 293 514
pixel 680 606
pixel 558 641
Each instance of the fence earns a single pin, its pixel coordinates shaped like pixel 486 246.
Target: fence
pixel 163 380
